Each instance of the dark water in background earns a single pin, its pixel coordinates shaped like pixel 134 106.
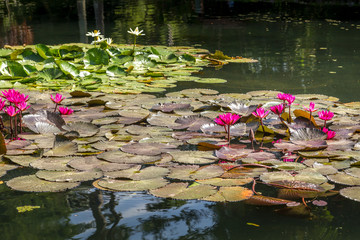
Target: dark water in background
pixel 301 48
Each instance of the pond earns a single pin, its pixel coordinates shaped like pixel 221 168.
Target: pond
pixel 300 49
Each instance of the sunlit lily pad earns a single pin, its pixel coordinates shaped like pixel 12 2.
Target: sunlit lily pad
pixel 85 129
pixel 92 163
pixel 191 123
pixel 194 172
pixel 345 179
pixel 132 185
pixel 193 157
pixel 243 172
pixel 230 194
pixel 183 191
pixel 62 147
pixel 135 173
pixel 68 176
pixel 31 183
pixel 150 149
pixel 310 176
pixel 352 193
pixel 221 182
pixel 210 80
pixel 260 200
pixel 127 158
pixel 276 176
pixel 22 160
pixel 52 163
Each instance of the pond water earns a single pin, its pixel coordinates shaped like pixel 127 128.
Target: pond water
pixel 301 48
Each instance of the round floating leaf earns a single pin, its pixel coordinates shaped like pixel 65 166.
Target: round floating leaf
pixel 12 68
pixel 276 176
pixel 68 176
pixel 230 194
pixel 132 185
pixel 310 176
pixel 354 171
pixel 345 179
pixel 22 160
pixel 221 182
pixel 352 193
pixel 232 154
pixel 96 56
pixel 127 158
pixel 69 69
pixel 92 163
pixel 193 172
pixel 320 203
pixel 150 149
pixel 32 183
pixel 52 163
pixel 290 166
pixel 183 191
pixel 135 173
pixel 324 169
pixel 243 172
pixel 85 129
pixel 297 185
pixel 210 80
pixel 107 145
pixel 193 157
pixel 170 107
pixel 62 147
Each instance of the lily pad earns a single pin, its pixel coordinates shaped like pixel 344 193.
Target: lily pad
pixel 135 173
pixel 221 182
pixel 352 193
pixel 68 176
pixel 31 183
pixel 85 129
pixel 193 157
pixel 150 149
pixel 132 185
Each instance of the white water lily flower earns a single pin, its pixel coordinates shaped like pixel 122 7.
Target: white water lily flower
pixel 95 33
pixel 109 41
pixel 136 32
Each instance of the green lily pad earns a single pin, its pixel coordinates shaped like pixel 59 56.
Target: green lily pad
pixel 135 173
pixel 31 183
pixel 132 185
pixel 68 176
pixel 193 157
pixel 210 80
pixel 230 194
pixel 352 193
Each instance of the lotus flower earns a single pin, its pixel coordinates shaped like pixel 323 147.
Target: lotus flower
pixel 330 134
pixel 95 33
pixel 325 115
pixel 260 113
pixel 226 120
pixel 282 96
pixel 290 98
pixel 65 111
pixel 14 96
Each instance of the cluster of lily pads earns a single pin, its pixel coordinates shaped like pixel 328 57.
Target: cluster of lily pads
pixel 172 147
pixel 105 67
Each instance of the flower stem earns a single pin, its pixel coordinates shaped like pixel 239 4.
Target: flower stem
pixel 134 43
pixel 228 135
pixel 289 113
pixel 55 107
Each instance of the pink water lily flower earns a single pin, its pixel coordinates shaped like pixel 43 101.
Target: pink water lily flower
pixel 311 107
pixel 325 115
pixel 22 106
pixel 11 111
pixel 260 113
pixel 290 98
pixel 330 134
pixel 282 96
pixel 65 111
pixel 57 99
pixel 227 119
pixel 278 109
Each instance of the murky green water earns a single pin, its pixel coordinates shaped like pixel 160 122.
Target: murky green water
pixel 300 48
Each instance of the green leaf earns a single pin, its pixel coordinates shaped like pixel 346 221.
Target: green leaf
pixel 5 52
pixel 29 69
pixel 50 73
pixel 121 59
pixel 13 69
pixel 70 52
pixel 187 58
pixel 115 71
pixel 68 69
pixel 96 56
pixel 43 50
